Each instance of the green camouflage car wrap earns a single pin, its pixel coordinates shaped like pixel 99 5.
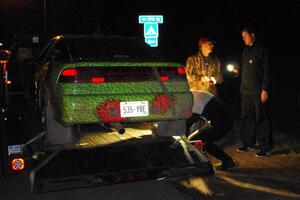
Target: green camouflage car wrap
pixel 89 103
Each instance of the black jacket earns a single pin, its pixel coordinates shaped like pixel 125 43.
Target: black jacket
pixel 255 70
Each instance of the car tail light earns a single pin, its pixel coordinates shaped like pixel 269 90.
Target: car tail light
pixel 180 70
pixel 97 80
pixel 69 72
pixel 164 78
pixel 17 164
pixel 116 74
pixel 130 177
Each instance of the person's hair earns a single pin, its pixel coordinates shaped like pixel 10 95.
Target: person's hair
pixel 248 29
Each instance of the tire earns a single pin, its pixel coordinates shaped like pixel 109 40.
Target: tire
pixel 55 133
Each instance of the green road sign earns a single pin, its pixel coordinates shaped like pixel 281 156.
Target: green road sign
pixel 151 19
pixel 151 28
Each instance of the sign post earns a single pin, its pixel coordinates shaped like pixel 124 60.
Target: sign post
pixel 151 28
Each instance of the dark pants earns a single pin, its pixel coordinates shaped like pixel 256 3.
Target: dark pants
pixel 221 121
pixel 255 121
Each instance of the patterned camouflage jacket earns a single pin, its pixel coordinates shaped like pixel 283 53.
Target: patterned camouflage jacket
pixel 195 69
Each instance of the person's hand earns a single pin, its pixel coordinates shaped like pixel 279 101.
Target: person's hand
pixel 264 96
pixel 236 72
pixel 205 79
pixel 212 80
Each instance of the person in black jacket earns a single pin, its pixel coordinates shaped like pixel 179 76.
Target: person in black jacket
pixel 208 107
pixel 255 94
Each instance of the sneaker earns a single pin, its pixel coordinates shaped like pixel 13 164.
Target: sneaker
pixel 245 149
pixel 226 165
pixel 263 153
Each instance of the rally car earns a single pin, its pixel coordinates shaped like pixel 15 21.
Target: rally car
pixel 108 80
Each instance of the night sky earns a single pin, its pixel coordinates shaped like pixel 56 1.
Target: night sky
pixel 276 22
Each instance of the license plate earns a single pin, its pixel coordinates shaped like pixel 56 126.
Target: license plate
pixel 14 149
pixel 134 109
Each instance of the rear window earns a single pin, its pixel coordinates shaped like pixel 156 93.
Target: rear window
pixel 109 48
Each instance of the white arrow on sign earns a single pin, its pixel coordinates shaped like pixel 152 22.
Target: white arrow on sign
pixel 151 31
pixel 151 41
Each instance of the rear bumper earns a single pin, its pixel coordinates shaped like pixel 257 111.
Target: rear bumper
pixel 90 109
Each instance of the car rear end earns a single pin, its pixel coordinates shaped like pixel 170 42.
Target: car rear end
pixel 108 92
pixel 113 80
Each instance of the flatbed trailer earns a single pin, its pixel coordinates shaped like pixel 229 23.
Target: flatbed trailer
pixel 103 156
pixel 106 157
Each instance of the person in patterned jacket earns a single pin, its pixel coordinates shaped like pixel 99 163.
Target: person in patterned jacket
pixel 202 69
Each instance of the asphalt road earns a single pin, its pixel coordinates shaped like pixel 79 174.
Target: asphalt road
pixel 18 189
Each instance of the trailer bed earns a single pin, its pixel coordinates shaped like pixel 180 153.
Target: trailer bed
pixel 97 137
pixel 104 157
